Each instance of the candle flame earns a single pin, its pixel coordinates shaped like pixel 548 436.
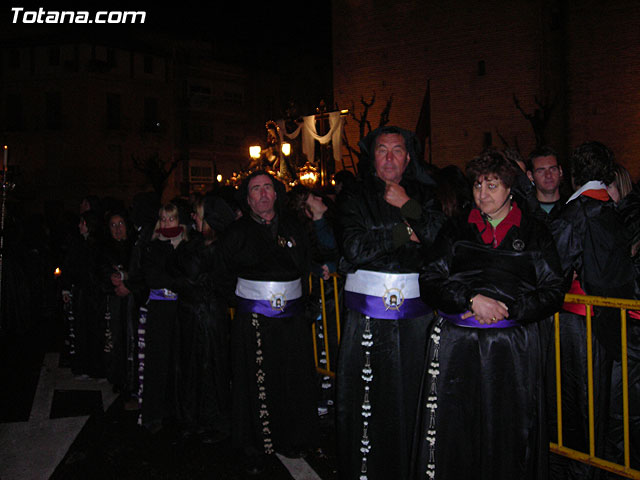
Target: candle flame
pixel 57 272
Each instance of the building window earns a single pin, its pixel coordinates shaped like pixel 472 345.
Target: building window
pixel 14 58
pixel 15 120
pixel 114 111
pixel 148 64
pixel 53 110
pixel 111 58
pixel 232 98
pixel 151 120
pixel 232 141
pixel 482 68
pixel 487 140
pixel 54 56
pixel 115 160
pixel 200 171
pixel 201 134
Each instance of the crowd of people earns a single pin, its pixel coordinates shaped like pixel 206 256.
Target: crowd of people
pixel 199 311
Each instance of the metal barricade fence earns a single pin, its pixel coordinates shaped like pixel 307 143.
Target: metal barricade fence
pixel 590 457
pixel 326 370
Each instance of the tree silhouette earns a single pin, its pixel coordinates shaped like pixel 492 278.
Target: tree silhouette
pixel 364 124
pixel 539 118
pixel 155 170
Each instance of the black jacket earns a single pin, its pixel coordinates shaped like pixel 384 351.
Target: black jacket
pixel 593 241
pixel 523 271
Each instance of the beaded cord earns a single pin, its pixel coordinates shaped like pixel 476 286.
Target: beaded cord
pixel 367 376
pixel 71 340
pixel 262 391
pixel 141 345
pixel 108 337
pixel 432 399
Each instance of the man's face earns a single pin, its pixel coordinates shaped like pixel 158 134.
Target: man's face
pixel 546 174
pixel 118 228
pixel 262 196
pixel 391 157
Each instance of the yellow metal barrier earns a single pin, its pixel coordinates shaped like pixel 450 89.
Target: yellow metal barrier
pixel 590 458
pixel 334 278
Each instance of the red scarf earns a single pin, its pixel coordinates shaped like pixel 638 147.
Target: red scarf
pixel 171 232
pixel 600 194
pixel 494 236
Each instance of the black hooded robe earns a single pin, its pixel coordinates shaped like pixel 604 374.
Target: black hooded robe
pixel 380 360
pixel 273 375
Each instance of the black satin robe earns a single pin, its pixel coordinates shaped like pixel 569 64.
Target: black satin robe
pixel 396 356
pixel 158 393
pixel 273 353
pixel 202 343
pixel 490 420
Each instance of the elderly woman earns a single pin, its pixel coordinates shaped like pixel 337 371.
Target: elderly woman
pixel 495 273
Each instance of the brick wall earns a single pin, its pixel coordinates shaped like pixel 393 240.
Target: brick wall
pixel 583 54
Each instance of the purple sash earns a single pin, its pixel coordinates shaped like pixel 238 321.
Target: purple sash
pixel 471 322
pixel 162 294
pixel 290 308
pixel 377 308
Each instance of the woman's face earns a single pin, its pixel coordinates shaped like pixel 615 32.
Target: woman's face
pixel 491 196
pixel 169 220
pixel 613 191
pixel 82 227
pixel 198 217
pixel 315 206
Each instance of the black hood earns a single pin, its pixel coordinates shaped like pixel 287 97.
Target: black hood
pixel 416 169
pixel 217 213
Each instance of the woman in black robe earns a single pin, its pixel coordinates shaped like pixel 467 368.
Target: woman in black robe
pixel 118 304
pixel 317 214
pixel 494 274
pixel 203 387
pixel 157 329
pixel 81 293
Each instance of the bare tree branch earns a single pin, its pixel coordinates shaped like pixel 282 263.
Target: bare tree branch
pixel 384 116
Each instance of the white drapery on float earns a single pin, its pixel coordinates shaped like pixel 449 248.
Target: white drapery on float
pixel 310 134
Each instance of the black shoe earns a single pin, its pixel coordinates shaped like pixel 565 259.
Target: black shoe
pixel 209 438
pixel 254 464
pixel 293 453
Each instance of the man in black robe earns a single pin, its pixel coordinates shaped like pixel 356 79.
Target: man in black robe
pixel 388 222
pixel 273 381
